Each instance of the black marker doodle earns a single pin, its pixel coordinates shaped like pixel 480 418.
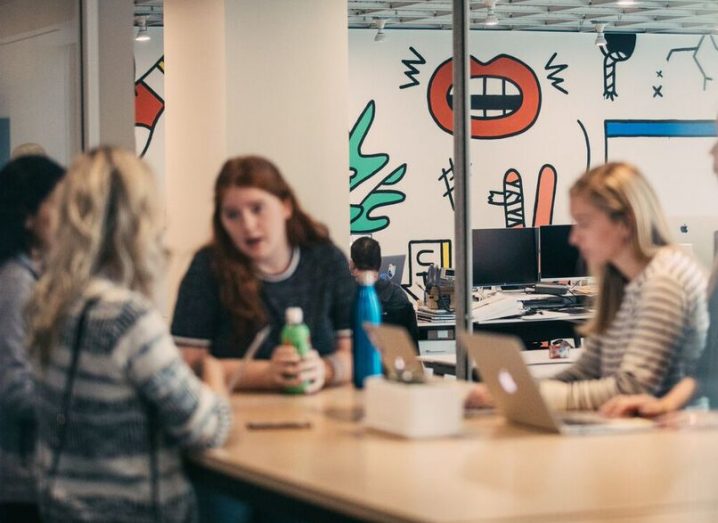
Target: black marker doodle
pixel 448 182
pixel 657 91
pixel 588 144
pixel 694 53
pixel 412 71
pixel 618 48
pixel 556 81
pixel 511 198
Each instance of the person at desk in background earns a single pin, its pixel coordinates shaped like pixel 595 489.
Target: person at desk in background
pixel 395 305
pixel 651 317
pixel 27 197
pixel 115 401
pixel 702 384
pixel 266 255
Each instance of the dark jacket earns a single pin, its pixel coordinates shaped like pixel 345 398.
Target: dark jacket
pixel 396 307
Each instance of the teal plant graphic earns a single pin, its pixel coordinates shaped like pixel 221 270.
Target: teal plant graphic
pixel 364 217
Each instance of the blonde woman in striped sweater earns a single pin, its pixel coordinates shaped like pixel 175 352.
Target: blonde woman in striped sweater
pixel 115 401
pixel 701 387
pixel 651 314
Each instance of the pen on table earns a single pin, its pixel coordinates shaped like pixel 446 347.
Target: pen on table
pixel 278 425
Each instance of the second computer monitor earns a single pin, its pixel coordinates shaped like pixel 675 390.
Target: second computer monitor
pixel 504 256
pixel 558 258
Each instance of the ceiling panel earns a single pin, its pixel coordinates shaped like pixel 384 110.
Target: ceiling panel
pixel 641 16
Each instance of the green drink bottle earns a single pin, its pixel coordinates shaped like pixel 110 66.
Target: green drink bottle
pixel 296 333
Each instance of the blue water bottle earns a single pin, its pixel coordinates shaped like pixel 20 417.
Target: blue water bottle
pixel 367 361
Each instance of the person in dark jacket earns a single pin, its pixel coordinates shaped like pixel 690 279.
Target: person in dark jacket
pixel 395 305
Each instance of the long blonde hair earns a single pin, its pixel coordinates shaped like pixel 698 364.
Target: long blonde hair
pixel 624 194
pixel 109 227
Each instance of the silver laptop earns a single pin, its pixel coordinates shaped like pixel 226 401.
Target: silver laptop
pixel 517 395
pixel 392 268
pixel 398 352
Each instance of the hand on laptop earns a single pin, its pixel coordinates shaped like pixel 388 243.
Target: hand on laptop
pixel 479 397
pixel 634 405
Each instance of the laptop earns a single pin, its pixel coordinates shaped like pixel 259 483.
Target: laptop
pixel 392 268
pixel 517 395
pixel 698 231
pixel 398 352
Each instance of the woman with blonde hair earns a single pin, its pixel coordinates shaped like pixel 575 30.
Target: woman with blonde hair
pixel 115 399
pixel 651 315
pixel 702 386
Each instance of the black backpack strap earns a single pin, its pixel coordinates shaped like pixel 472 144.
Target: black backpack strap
pixel 153 433
pixel 64 414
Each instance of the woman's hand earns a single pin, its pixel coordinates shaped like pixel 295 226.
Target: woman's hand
pixel 313 372
pixel 633 405
pixel 479 397
pixel 283 370
pixel 288 369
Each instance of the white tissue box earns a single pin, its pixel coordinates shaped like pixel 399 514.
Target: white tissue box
pixel 415 410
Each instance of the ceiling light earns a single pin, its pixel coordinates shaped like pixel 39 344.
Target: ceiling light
pixel 380 35
pixel 600 37
pixel 491 18
pixel 142 34
pixel 625 3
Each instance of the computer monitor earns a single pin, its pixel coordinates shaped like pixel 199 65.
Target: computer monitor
pixel 504 256
pixel 558 259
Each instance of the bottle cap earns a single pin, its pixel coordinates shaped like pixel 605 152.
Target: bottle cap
pixel 294 315
pixel 367 278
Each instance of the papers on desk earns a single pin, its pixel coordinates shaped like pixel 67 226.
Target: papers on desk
pixel 424 313
pixel 498 306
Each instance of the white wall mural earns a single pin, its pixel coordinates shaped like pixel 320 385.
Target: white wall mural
pixel 149 100
pixel 544 107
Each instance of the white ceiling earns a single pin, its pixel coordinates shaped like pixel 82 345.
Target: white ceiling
pixel 643 16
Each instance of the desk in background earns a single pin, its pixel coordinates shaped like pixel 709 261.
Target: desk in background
pixel 338 471
pixel 538 362
pixel 439 337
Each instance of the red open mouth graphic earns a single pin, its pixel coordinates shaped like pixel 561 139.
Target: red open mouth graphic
pixel 505 97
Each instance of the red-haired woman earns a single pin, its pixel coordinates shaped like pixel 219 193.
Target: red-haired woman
pixel 266 255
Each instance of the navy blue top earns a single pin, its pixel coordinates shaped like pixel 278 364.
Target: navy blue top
pixel 317 280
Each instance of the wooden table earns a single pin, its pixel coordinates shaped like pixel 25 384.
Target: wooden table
pixel 337 470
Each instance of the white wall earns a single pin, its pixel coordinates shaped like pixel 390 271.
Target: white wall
pixel 404 129
pixel 287 96
pixel 195 117
pixel 247 77
pixel 108 73
pixel 39 75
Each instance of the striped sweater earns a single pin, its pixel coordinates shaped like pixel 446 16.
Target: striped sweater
pixel 128 366
pixel 655 339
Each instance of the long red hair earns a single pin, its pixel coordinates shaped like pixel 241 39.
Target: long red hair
pixel 239 287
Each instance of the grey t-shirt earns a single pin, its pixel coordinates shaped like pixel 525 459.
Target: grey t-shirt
pixel 17 425
pixel 318 280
